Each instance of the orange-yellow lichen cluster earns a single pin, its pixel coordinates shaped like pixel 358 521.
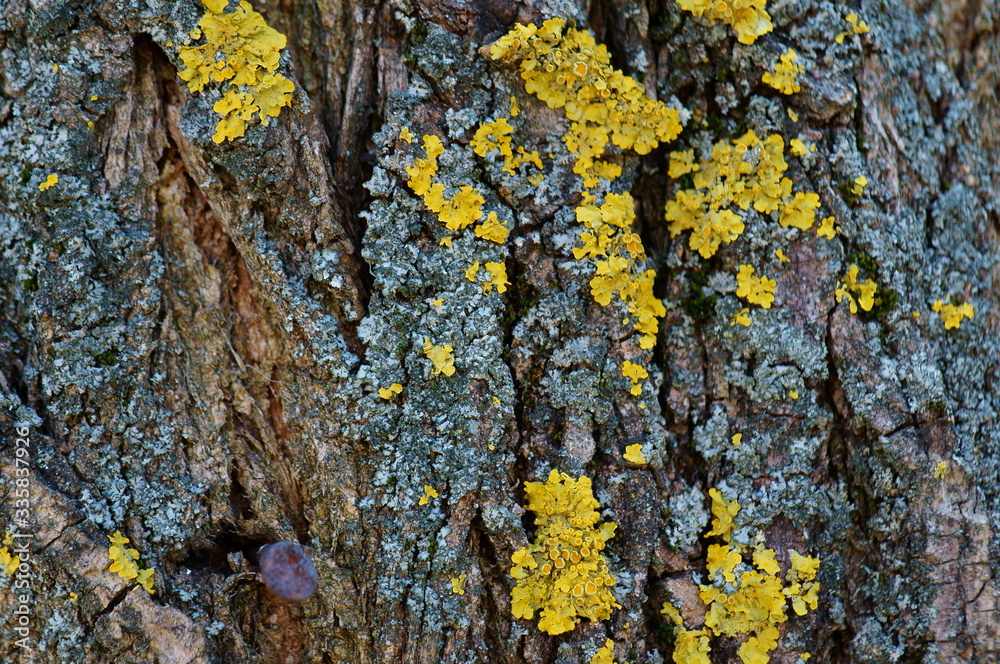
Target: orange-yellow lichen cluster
pixel 748 17
pixel 8 563
pixel 756 290
pixel 573 72
pixel 563 574
pixel 740 174
pixel 744 597
pixel 242 49
pixel 608 237
pixel 952 314
pixel 496 135
pixel 784 78
pixel 605 654
pixel 856 293
pixel 567 69
pixel 124 562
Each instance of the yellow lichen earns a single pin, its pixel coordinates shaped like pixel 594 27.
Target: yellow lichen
pixel 492 229
pixel 748 18
pixel 562 574
pixel 742 317
pixel 940 470
pixel 573 72
pixel 826 228
pixel 124 562
pixel 952 314
pixel 856 293
pixel 440 357
pixel 858 27
pixel 781 256
pixel 633 454
pixel 457 212
pixel 756 290
pixel 784 78
pixel 51 181
pixel 458 584
pixel 498 278
pixel 387 392
pixel 859 184
pixel 635 373
pixel 8 563
pixel 740 173
pixel 744 598
pixel 568 70
pixel 797 147
pixel 608 237
pixel 737 440
pixel 604 654
pixel 496 135
pixel 242 49
pixel 429 492
pixel 406 135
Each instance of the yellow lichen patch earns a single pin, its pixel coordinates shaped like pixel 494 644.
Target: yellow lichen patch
pixel 737 440
pixel 859 184
pixel 826 228
pixel 756 290
pixel 608 237
pixel 458 584
pixel 633 454
pixel 744 598
pixel 242 49
pixel 387 392
pixel 797 147
pixel 784 78
pixel 747 17
pixel 604 654
pixel 635 373
pixel 856 293
pixel 793 395
pixel 792 115
pixel 124 562
pixel 781 256
pixel 406 135
pixel 8 563
pixel 515 108
pixel 492 229
pixel 800 211
pixel 952 314
pixel 858 27
pixel 562 573
pixel 723 511
pixel 51 181
pixel 573 72
pixel 472 271
pixel 429 492
pixel 457 212
pixel 740 173
pixel 742 317
pixel 440 357
pixel 940 470
pixel 496 135
pixel 498 278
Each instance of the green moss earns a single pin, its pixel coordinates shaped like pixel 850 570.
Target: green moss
pixel 847 191
pixel 938 408
pixel 106 359
pixel 26 174
pixel 666 634
pixel 696 303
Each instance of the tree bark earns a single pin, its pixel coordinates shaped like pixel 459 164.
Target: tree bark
pixel 193 336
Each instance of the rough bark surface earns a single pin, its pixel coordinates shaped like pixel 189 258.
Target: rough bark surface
pixel 193 335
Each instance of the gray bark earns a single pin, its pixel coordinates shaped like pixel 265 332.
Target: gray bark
pixel 194 334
